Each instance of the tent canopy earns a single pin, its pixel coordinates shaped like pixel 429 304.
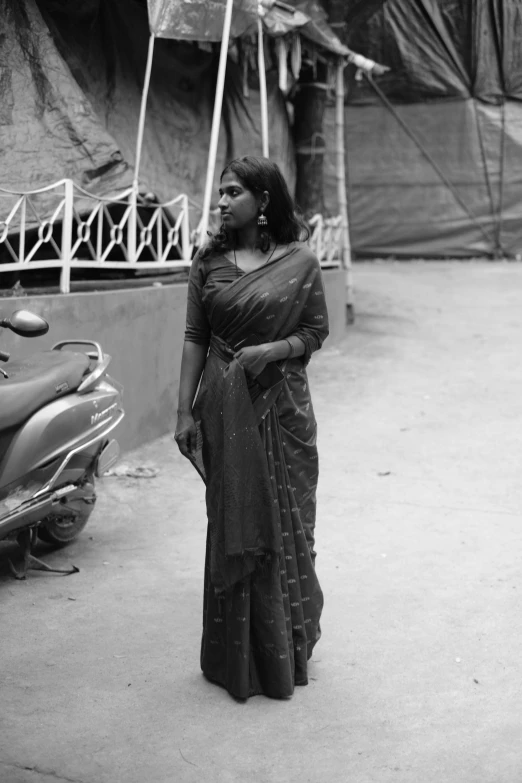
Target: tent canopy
pixel 202 20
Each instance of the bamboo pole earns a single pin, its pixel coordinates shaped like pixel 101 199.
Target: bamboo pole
pixel 133 215
pixel 341 182
pixel 216 121
pixel 262 87
pixel 143 111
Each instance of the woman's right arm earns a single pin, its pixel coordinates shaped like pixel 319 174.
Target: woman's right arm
pixel 195 349
pixel 192 364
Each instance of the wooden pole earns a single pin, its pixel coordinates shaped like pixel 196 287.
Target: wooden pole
pixel 309 140
pixel 262 87
pixel 216 121
pixel 341 182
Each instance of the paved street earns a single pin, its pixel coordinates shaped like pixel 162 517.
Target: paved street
pixel 417 678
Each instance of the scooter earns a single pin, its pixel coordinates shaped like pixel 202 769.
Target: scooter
pixel 57 409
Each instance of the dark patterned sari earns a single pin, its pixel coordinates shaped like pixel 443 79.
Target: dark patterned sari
pixel 258 457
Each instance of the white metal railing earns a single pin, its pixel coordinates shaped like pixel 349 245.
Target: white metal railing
pixel 63 226
pixel 326 240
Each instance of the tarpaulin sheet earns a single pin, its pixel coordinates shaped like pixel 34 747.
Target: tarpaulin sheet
pixel 399 205
pixel 278 21
pixel 48 128
pixel 200 20
pixel 317 29
pixel 310 19
pixel 449 180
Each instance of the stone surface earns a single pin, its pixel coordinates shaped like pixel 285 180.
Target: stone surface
pixel 417 676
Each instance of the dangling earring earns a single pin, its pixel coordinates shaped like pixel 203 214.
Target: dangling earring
pixel 262 221
pixel 221 234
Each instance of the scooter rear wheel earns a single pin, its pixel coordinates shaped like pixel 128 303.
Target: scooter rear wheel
pixel 59 529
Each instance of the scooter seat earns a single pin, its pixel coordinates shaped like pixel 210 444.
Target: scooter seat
pixel 37 380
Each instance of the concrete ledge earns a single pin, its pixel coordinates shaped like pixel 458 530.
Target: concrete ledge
pixel 143 330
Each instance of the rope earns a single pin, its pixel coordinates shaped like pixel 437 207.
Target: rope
pixel 487 177
pixel 501 178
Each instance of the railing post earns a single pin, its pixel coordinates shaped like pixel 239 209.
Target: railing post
pixel 132 225
pixel 185 231
pixel 319 227
pixel 23 227
pixel 67 227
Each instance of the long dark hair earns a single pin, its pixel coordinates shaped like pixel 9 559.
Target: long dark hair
pixel 284 223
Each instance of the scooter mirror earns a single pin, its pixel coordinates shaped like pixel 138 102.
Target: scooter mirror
pixel 26 324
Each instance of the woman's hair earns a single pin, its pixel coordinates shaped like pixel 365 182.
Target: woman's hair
pixel 284 223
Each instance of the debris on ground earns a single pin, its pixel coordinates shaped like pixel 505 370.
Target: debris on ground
pixel 132 471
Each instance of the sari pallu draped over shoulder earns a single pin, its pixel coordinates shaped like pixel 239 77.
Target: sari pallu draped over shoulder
pixel 258 457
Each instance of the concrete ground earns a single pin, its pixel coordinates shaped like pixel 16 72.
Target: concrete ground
pixel 417 678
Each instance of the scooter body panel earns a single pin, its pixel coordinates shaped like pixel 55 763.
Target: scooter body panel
pixel 59 428
pixel 48 463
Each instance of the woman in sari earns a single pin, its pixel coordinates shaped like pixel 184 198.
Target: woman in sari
pixel 255 314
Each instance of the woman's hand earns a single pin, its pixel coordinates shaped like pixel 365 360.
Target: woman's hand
pixel 186 435
pixel 253 359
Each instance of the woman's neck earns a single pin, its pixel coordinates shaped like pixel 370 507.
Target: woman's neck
pixel 248 238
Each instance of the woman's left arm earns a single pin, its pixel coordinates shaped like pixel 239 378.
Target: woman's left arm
pixel 312 329
pixel 254 358
pixel 283 349
pixel 308 336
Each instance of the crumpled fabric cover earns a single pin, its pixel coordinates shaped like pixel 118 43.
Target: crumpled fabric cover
pixel 48 127
pixel 200 20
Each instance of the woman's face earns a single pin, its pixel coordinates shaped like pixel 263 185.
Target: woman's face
pixel 239 206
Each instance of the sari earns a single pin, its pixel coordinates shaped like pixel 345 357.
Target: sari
pixel 258 457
